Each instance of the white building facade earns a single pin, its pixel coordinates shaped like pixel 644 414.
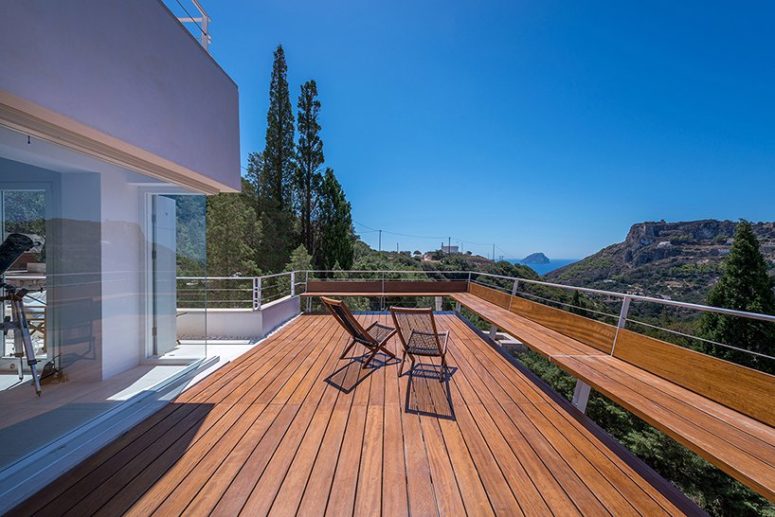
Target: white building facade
pixel 115 124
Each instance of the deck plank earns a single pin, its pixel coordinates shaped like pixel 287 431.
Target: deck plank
pixel 526 404
pixel 289 428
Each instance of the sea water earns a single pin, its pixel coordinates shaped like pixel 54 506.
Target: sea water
pixel 543 269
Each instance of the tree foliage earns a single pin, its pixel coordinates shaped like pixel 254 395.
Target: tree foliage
pixel 274 172
pixel 744 285
pixel 335 225
pixel 278 157
pixel 309 159
pixel 231 228
pixel 300 260
pixel 283 190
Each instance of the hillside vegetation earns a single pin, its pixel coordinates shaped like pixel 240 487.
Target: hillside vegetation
pixel 675 260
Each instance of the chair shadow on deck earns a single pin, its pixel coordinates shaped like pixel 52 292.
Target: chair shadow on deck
pixel 425 395
pixel 349 376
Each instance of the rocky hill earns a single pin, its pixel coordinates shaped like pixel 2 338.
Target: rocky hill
pixel 674 260
pixel 535 258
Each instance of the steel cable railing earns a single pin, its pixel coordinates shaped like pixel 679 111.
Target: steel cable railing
pixel 268 288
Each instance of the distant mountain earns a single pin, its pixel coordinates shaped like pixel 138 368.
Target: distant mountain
pixel 677 260
pixel 536 258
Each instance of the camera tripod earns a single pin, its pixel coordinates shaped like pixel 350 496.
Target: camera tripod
pixel 17 323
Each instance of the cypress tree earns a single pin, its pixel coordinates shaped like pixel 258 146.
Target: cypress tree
pixel 273 173
pixel 336 236
pixel 744 285
pixel 309 158
pixel 279 149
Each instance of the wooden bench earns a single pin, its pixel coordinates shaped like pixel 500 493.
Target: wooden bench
pixel 386 288
pixel 722 411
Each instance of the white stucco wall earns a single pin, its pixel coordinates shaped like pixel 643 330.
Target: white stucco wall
pixel 127 69
pixel 236 323
pixel 123 276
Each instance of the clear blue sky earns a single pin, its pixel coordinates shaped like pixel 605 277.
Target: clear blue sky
pixel 539 126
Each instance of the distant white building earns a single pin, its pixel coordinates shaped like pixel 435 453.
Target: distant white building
pixel 450 249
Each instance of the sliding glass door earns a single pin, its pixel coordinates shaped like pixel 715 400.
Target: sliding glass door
pixel 177 297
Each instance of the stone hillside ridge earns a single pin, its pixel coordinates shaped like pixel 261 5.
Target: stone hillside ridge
pixel 680 260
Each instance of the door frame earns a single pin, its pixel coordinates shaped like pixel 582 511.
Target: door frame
pixel 146 200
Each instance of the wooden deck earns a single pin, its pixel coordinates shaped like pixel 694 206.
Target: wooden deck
pixel 289 429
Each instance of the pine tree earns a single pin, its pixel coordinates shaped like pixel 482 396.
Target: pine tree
pixel 336 235
pixel 273 174
pixel 744 285
pixel 300 260
pixel 309 158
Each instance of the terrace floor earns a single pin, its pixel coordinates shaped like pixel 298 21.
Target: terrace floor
pixel 288 428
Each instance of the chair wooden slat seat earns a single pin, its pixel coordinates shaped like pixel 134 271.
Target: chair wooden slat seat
pixel 735 442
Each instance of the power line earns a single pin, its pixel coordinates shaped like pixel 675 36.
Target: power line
pixel 433 237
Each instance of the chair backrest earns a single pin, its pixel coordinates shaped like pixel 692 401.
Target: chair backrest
pixel 420 319
pixel 342 314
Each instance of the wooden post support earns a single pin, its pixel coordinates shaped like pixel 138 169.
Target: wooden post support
pixel 581 396
pixel 438 303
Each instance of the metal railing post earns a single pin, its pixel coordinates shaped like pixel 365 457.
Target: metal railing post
pixel 258 293
pixel 513 291
pixel 382 298
pixel 581 396
pixel 622 320
pixel 293 283
pixel 255 293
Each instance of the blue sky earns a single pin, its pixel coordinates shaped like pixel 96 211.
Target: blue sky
pixel 538 126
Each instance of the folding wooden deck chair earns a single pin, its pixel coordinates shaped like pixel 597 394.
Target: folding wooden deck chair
pixel 374 337
pixel 419 337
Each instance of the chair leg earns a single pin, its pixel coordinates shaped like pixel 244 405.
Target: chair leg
pixel 444 369
pixel 401 366
pixel 371 356
pixel 347 349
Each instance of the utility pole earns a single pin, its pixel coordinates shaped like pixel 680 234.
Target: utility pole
pixel 396 247
pixel 493 252
pixel 449 245
pixel 380 240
